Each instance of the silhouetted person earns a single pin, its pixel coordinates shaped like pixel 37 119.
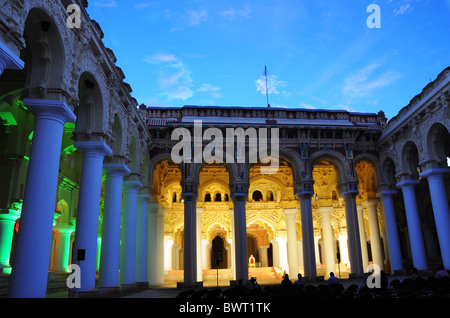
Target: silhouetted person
pixel 286 282
pixel 333 279
pixel 252 284
pixel 300 280
pixel 441 273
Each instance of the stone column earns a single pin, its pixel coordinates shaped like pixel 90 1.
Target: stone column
pixel 160 246
pixel 62 248
pixel 343 247
pixel 112 211
pixel 327 239
pixel 206 255
pixel 240 226
pixel 8 220
pixel 395 253
pixel 375 240
pixel 317 237
pixel 152 243
pixel 263 256
pixel 414 226
pixel 9 60
pixel 199 212
pixel 362 237
pixel 354 242
pixel 142 238
pixel 441 209
pixel 190 239
pixel 127 276
pixel 291 233
pixel 86 233
pixel 308 242
pixel 233 244
pixel 36 222
pixel 300 253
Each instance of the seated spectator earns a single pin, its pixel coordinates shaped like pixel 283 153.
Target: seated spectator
pixel 286 282
pixel 252 284
pixel 333 279
pixel 441 273
pixel 300 280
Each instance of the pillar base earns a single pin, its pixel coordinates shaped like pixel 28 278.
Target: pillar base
pixel 108 291
pixel 128 287
pixel 74 293
pixel 196 285
pixel 141 285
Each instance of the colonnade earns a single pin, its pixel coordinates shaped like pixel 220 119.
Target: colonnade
pixel 142 222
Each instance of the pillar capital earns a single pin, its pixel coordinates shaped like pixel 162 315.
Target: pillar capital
pixel 117 169
pixel 290 212
pixel 408 183
pixel 64 228
pixel 93 148
pixel 370 202
pixel 9 215
pixel 434 173
pixel 385 193
pixel 305 189
pixel 325 209
pixel 131 185
pixel 50 109
pixel 189 196
pixel 239 191
pixel 9 60
pixel 143 196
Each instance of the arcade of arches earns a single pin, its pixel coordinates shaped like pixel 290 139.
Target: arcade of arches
pixel 87 177
pixel 271 203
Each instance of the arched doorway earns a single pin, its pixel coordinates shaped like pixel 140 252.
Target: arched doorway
pixel 218 253
pixel 252 247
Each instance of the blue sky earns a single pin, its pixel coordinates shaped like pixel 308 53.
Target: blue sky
pixel 319 54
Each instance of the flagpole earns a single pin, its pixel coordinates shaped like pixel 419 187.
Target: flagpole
pixel 267 90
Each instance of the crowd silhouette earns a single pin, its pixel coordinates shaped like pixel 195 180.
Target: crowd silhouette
pixel 413 286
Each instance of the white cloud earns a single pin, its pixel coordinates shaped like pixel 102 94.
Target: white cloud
pixel 144 5
pixel 273 85
pixel 214 91
pixel 307 106
pixel 106 4
pixel 361 83
pixel 401 6
pixel 181 92
pixel 160 58
pixel 195 18
pixel 404 8
pixel 233 13
pixel 175 80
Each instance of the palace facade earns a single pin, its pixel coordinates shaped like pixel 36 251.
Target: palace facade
pixel 88 177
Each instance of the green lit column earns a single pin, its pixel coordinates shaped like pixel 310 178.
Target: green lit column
pixel 8 219
pixel 63 233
